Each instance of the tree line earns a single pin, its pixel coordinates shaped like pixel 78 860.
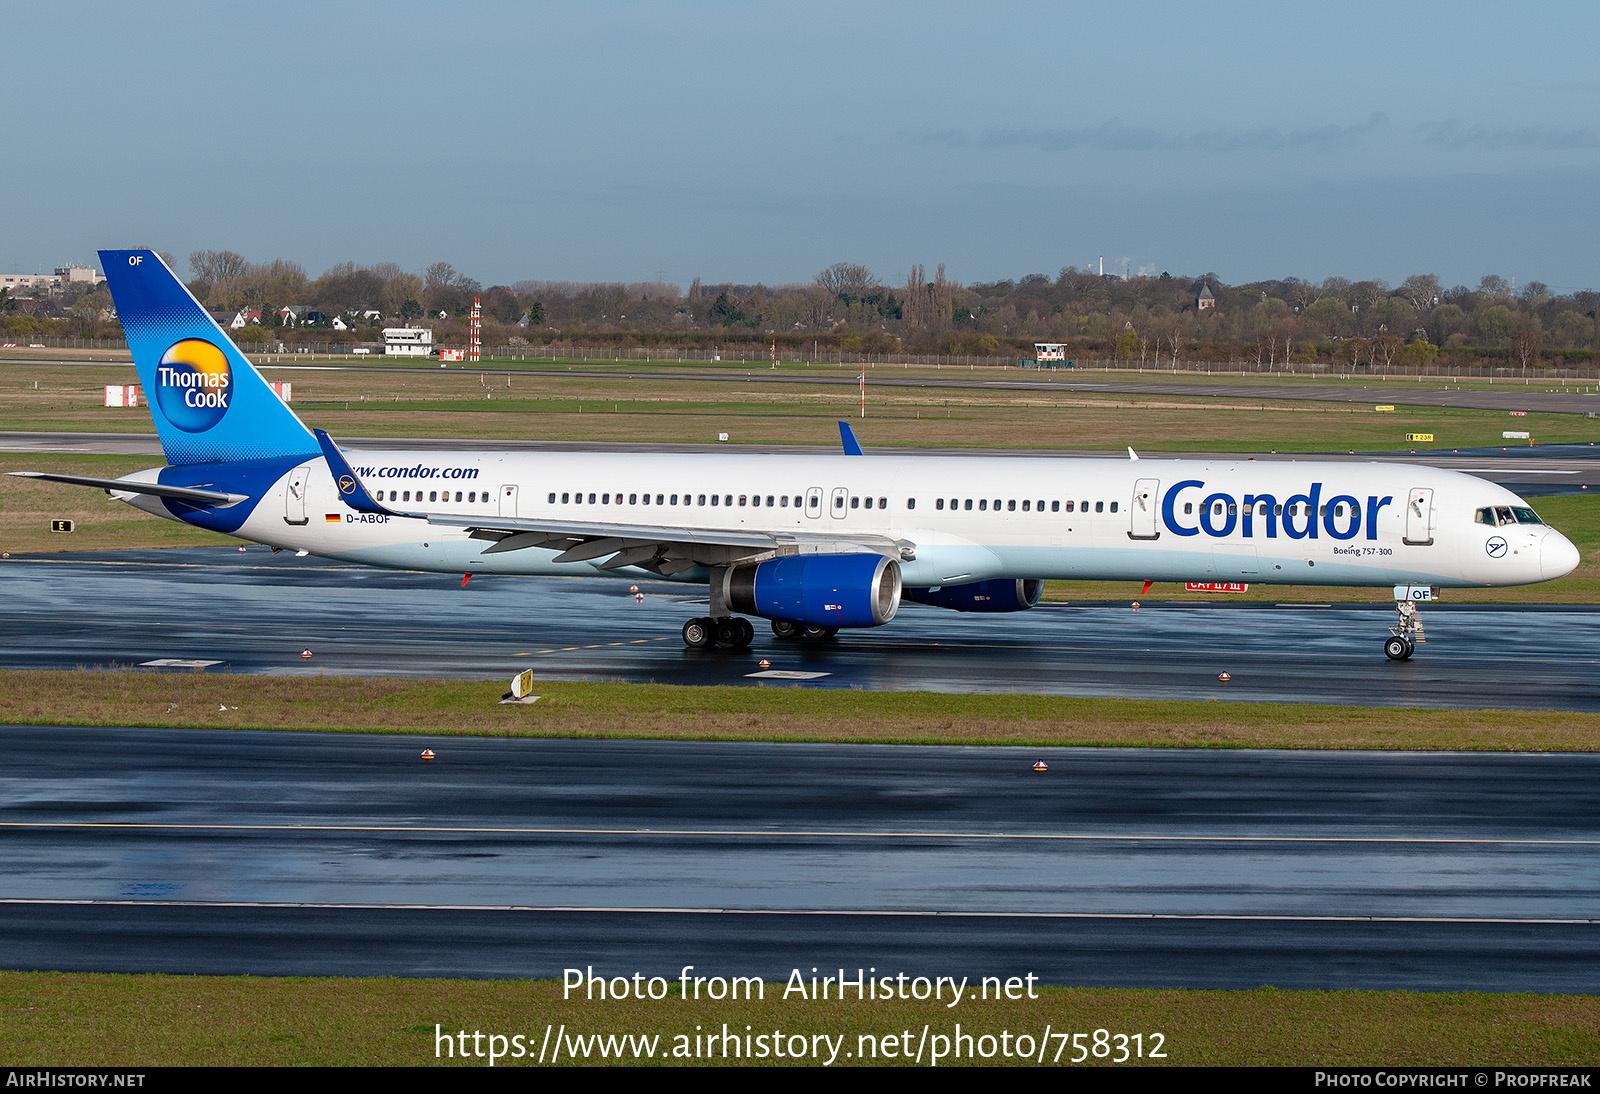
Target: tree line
pixel 848 308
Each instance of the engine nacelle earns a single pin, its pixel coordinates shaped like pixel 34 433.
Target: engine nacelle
pixel 818 590
pixel 999 595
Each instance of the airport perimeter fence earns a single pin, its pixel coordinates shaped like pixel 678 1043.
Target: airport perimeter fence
pixel 355 352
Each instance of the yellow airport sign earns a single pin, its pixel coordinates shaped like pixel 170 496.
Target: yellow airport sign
pixel 1419 436
pixel 1390 407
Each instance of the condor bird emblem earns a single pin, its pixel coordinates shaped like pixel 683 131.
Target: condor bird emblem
pixel 1496 547
pixel 347 485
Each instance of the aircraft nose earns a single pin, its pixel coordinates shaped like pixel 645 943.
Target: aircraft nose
pixel 1557 556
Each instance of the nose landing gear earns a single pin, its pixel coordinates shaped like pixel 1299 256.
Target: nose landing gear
pixel 1405 634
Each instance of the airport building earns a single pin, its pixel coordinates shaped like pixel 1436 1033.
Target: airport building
pixel 64 276
pixel 407 342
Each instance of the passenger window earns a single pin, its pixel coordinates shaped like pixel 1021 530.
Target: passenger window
pixel 1188 508
pixel 983 504
pixel 785 503
pixel 968 505
pixel 1055 507
pixel 911 503
pixel 855 503
pixel 1114 507
pixel 743 499
pixel 591 499
pixel 1025 508
pixel 1100 506
pixel 552 497
pixel 702 499
pixel 883 503
pixel 713 499
pixel 1011 506
pixel 633 499
pixel 433 495
pixel 838 502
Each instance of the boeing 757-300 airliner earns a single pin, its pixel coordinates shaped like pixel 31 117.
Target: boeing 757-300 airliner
pixel 811 543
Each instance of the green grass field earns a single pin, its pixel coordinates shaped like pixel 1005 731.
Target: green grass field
pixel 790 713
pixel 551 405
pixel 140 1021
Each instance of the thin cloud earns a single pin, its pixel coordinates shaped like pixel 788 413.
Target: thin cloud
pixel 1115 136
pixel 1455 134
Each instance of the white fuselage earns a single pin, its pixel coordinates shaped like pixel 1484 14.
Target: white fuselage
pixel 966 518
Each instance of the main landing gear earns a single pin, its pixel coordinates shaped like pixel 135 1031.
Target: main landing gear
pixel 1405 634
pixel 731 633
pixel 736 632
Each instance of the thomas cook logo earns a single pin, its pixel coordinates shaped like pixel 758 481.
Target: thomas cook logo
pixel 347 485
pixel 193 385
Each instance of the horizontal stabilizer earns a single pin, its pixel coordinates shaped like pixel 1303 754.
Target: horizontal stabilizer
pixel 133 486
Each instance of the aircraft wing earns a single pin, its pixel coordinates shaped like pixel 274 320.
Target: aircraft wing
pixel 663 549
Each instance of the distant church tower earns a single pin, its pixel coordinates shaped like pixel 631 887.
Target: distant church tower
pixel 1205 299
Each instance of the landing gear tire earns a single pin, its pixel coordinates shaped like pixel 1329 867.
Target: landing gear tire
pixel 785 631
pixel 818 634
pixel 1396 648
pixel 698 634
pixel 734 632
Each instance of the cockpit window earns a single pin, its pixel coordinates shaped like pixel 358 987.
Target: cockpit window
pixel 1500 515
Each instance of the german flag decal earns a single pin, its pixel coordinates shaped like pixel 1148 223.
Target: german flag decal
pixel 331 518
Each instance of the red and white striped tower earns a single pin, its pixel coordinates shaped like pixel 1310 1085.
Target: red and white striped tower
pixel 475 332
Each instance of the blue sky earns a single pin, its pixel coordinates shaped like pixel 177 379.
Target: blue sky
pixel 763 141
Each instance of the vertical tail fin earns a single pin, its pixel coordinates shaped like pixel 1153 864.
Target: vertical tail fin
pixel 209 403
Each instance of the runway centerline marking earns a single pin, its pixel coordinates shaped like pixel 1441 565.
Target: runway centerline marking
pixel 805 833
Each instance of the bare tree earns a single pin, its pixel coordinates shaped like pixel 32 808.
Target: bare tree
pixel 1525 349
pixel 847 279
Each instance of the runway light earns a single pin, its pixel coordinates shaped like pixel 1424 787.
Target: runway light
pixel 427 754
pixel 1224 677
pixel 1040 765
pixel 305 653
pixel 1135 605
pixel 241 550
pixel 633 588
pixel 765 663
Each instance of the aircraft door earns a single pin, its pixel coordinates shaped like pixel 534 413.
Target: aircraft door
pixel 508 500
pixel 1142 512
pixel 814 502
pixel 294 498
pixel 1419 517
pixel 836 504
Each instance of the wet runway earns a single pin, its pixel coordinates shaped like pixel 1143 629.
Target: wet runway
pixel 311 854
pixel 255 612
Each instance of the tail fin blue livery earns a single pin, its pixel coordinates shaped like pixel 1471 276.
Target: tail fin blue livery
pixel 209 403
